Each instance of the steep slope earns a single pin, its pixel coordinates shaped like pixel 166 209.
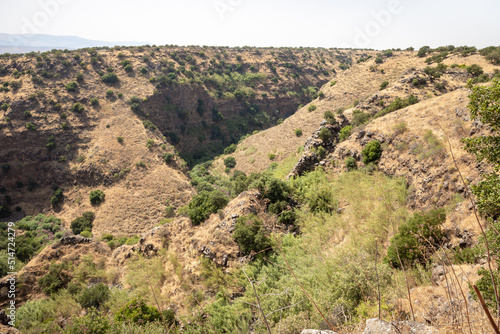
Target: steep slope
pixel 63 127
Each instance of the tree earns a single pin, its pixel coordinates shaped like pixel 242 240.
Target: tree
pixel 484 106
pixel 96 197
pixel 372 152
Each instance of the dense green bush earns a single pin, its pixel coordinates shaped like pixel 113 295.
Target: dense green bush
pixel 92 323
pixel 94 296
pixel 351 164
pixel 372 152
pixel 324 134
pixel 110 78
pixel 94 101
pixel 359 118
pixel 71 87
pixel 384 85
pixel 78 107
pixel 137 311
pixel 345 132
pixel 230 149
pixel 168 157
pixel 56 279
pixel 329 117
pixel 417 239
pixel 96 197
pixel 249 234
pixel 230 162
pixel 205 203
pixel 298 132
pixel 83 223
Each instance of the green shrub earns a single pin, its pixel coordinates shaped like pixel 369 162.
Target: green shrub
pixel 27 114
pixel 384 85
pixel 96 197
pixel 312 107
pixel 230 162
pixel 71 87
pixel 329 117
pixel 400 128
pixel 324 134
pixel 79 77
pixel 298 132
pixel 475 70
pixel 417 239
pixel 271 156
pixel 83 223
pixel 110 78
pixel 397 104
pixel 119 139
pixel 128 68
pixel 5 106
pixel 249 234
pixel 57 197
pixel 372 152
pixel 94 296
pixel 109 93
pixel 230 149
pixel 92 323
pixel 56 279
pixel 137 311
pixel 94 101
pixel 168 157
pixel 30 126
pixel 205 203
pixel 379 60
pixel 351 164
pixel 359 118
pixel 78 107
pixel 345 132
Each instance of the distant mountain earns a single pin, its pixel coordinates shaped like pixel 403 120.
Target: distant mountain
pixel 23 43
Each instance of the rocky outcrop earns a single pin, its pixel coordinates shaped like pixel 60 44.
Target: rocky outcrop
pixel 311 158
pixel 377 326
pixel 317 331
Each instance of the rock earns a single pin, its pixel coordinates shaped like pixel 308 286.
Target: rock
pixel 376 326
pixel 317 331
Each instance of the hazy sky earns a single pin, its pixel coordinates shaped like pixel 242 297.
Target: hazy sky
pixel 378 24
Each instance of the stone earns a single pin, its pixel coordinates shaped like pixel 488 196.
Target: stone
pixel 377 326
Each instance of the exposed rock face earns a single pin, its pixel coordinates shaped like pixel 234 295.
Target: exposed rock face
pixel 72 240
pixel 310 158
pixel 376 326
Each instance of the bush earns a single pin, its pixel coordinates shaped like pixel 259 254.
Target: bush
pixel 230 149
pixel 110 78
pixel 94 296
pixel 96 197
pixel 372 152
pixel 324 134
pixel 79 77
pixel 168 157
pixel 417 239
pixel 136 311
pixel 359 118
pixel 5 106
pixel 56 198
pixel 78 107
pixel 379 60
pixel 205 203
pixel 71 87
pixel 345 132
pixel 475 70
pixel 92 323
pixel 384 85
pixel 83 223
pixel 56 279
pixel 230 162
pixel 329 117
pixel 351 164
pixel 128 68
pixel 249 234
pixel 312 107
pixel 30 126
pixel 94 101
pixel 109 93
pixel 298 132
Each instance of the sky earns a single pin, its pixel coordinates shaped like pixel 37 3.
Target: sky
pixel 377 24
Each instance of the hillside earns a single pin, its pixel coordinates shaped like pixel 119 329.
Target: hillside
pixel 232 173
pixel 201 99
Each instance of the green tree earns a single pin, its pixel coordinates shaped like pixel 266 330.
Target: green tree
pixel 484 106
pixel 372 152
pixel 249 234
